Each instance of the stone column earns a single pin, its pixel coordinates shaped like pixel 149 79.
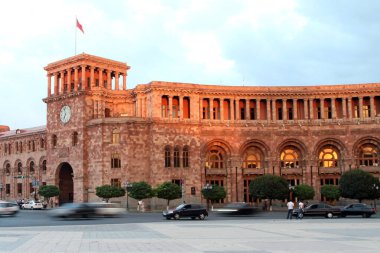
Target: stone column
pixel 222 109
pixel 268 110
pixel 143 107
pixel 232 116
pixel 117 87
pixel 284 114
pixel 344 105
pixel 200 108
pixel 258 109
pixel 100 71
pixel 360 107
pixel 109 80
pixel 180 107
pixel 211 104
pixel 295 109
pixel 76 83
pixel 274 109
pixel 49 84
pixel 84 77
pixel 305 112
pixel 247 109
pixel 92 79
pixel 69 79
pixel 349 108
pixel 372 106
pixel 124 81
pixel 311 111
pixel 322 105
pixel 237 108
pixel 56 92
pixel 333 109
pixel 170 106
pixel 62 82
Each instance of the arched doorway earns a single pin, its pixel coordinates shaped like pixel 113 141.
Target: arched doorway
pixel 66 184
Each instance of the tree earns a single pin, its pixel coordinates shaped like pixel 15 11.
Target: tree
pixel 109 191
pixel 213 193
pixel 140 190
pixel 168 191
pixel 269 187
pixel 331 192
pixel 358 184
pixel 304 191
pixel 48 191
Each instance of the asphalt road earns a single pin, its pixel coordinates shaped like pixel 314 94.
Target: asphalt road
pixel 31 218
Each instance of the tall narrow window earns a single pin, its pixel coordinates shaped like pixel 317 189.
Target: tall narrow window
pixel 176 157
pixel 368 156
pixel 8 169
pixel 19 188
pixel 116 136
pixel 75 138
pixel 116 182
pixel 167 157
pixel 42 143
pixel 19 168
pixel 289 158
pixel 31 167
pixel 328 157
pixel 44 167
pixel 115 161
pixel 185 157
pixel 54 140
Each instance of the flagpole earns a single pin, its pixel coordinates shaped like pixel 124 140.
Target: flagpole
pixel 75 52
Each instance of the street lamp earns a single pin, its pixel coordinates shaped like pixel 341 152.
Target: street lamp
pixel 127 185
pixel 207 188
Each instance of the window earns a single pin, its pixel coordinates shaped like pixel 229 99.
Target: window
pixel 116 182
pixel 328 157
pixel 54 140
pixel 116 136
pixel 8 169
pixel 289 158
pixel 165 107
pixel 176 157
pixel 33 146
pixel 215 160
pixel 20 146
pixel 185 157
pixel 252 159
pixel 19 188
pixel 9 148
pixel 19 168
pixel 44 167
pixel 31 167
pixel 115 161
pixel 8 189
pixel 42 143
pixel 167 157
pixel 366 111
pixel 75 139
pixel 368 156
pixel 107 113
pixel 177 181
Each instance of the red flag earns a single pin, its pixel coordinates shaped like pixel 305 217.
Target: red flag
pixel 79 26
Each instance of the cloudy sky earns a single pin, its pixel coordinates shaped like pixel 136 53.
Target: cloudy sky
pixel 226 42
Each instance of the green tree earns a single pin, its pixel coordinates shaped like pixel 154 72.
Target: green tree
pixel 48 191
pixel 140 190
pixel 213 193
pixel 358 184
pixel 304 191
pixel 109 191
pixel 331 192
pixel 168 191
pixel 269 187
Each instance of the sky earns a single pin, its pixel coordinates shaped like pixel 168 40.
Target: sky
pixel 221 42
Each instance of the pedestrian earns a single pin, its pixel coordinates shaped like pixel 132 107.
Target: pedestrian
pixel 290 205
pixel 301 206
pixel 139 205
pixel 142 206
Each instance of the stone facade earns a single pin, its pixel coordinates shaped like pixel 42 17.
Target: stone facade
pixel 188 133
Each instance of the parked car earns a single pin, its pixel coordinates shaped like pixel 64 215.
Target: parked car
pixel 74 210
pixel 237 209
pixel 186 211
pixel 32 204
pixel 8 208
pixel 320 209
pixel 105 209
pixel 358 209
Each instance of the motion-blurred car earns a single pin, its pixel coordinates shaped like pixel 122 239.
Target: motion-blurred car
pixel 358 209
pixel 74 210
pixel 320 209
pixel 8 208
pixel 32 204
pixel 104 209
pixel 237 209
pixel 186 211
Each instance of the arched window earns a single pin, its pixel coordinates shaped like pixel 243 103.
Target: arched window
pixel 215 160
pixel 176 157
pixel 107 112
pixel 31 167
pixel 167 157
pixel 115 136
pixel 44 168
pixel 75 138
pixel 115 161
pixel 368 156
pixel 252 159
pixel 185 157
pixel 289 158
pixel 54 140
pixel 328 157
pixel 19 168
pixel 20 146
pixel 7 169
pixel 42 143
pixel 164 107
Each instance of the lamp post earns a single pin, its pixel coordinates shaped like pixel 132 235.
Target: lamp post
pixel 127 185
pixel 375 186
pixel 207 188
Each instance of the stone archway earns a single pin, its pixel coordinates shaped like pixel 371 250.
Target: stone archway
pixel 66 183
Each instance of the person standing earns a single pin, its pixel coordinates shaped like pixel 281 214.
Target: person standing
pixel 290 205
pixel 301 206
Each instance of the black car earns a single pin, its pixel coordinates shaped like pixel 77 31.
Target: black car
pixel 74 210
pixel 320 209
pixel 237 209
pixel 358 209
pixel 186 211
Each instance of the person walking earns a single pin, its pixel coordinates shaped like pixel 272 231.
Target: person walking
pixel 290 205
pixel 301 206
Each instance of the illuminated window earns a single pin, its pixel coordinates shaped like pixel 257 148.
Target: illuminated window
pixel 215 160
pixel 368 156
pixel 252 159
pixel 289 158
pixel 328 157
pixel 115 136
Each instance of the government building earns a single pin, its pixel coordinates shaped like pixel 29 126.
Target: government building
pixel 100 132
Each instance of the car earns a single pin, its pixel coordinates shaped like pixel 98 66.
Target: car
pixel 32 204
pixel 105 209
pixel 319 209
pixel 74 210
pixel 237 209
pixel 8 208
pixel 358 209
pixel 186 211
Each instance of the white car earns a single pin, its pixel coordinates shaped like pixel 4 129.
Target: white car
pixel 107 209
pixel 32 204
pixel 8 208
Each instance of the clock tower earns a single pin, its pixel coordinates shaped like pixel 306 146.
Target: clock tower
pixel 78 91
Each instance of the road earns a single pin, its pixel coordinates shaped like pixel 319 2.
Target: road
pixel 31 218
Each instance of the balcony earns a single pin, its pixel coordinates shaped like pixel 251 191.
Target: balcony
pixel 253 171
pixel 291 171
pixel 216 172
pixel 329 170
pixel 370 169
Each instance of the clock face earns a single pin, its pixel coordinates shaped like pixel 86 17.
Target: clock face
pixel 65 114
